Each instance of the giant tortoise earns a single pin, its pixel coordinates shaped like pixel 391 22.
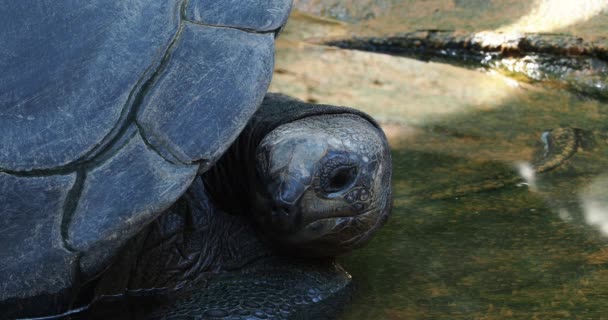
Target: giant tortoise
pixel 120 166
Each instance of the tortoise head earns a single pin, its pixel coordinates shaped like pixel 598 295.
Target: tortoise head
pixel 324 183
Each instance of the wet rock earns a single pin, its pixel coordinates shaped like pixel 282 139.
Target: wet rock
pixel 580 65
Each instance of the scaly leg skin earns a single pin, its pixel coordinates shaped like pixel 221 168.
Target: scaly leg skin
pixel 273 288
pixel 218 268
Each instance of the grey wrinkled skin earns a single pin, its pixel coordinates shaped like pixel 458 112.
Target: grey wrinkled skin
pixel 323 183
pixel 269 289
pixel 218 267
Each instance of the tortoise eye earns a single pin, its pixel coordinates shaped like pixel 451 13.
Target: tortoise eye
pixel 340 178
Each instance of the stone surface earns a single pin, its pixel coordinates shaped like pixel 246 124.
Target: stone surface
pixel 385 17
pixel 380 84
pixel 33 260
pixel 122 196
pixel 258 15
pixel 213 83
pixel 347 10
pixel 68 68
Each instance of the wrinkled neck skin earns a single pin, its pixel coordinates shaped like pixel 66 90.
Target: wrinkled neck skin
pixel 206 247
pixel 198 261
pixel 212 221
pixel 314 179
pixel 236 174
pixel 231 180
pixel 182 248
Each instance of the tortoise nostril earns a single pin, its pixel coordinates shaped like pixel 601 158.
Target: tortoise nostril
pixel 285 217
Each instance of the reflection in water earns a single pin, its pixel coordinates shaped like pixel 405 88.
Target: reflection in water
pixel 594 202
pixel 528 173
pixel 550 15
pixel 565 215
pixel 527 65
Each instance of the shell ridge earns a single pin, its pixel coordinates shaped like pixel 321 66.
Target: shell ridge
pixel 128 112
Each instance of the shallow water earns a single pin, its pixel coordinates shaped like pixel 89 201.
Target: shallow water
pixel 537 249
pixel 513 252
pixel 521 251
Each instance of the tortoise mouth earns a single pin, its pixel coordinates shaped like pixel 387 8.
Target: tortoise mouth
pixel 332 236
pixel 318 233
